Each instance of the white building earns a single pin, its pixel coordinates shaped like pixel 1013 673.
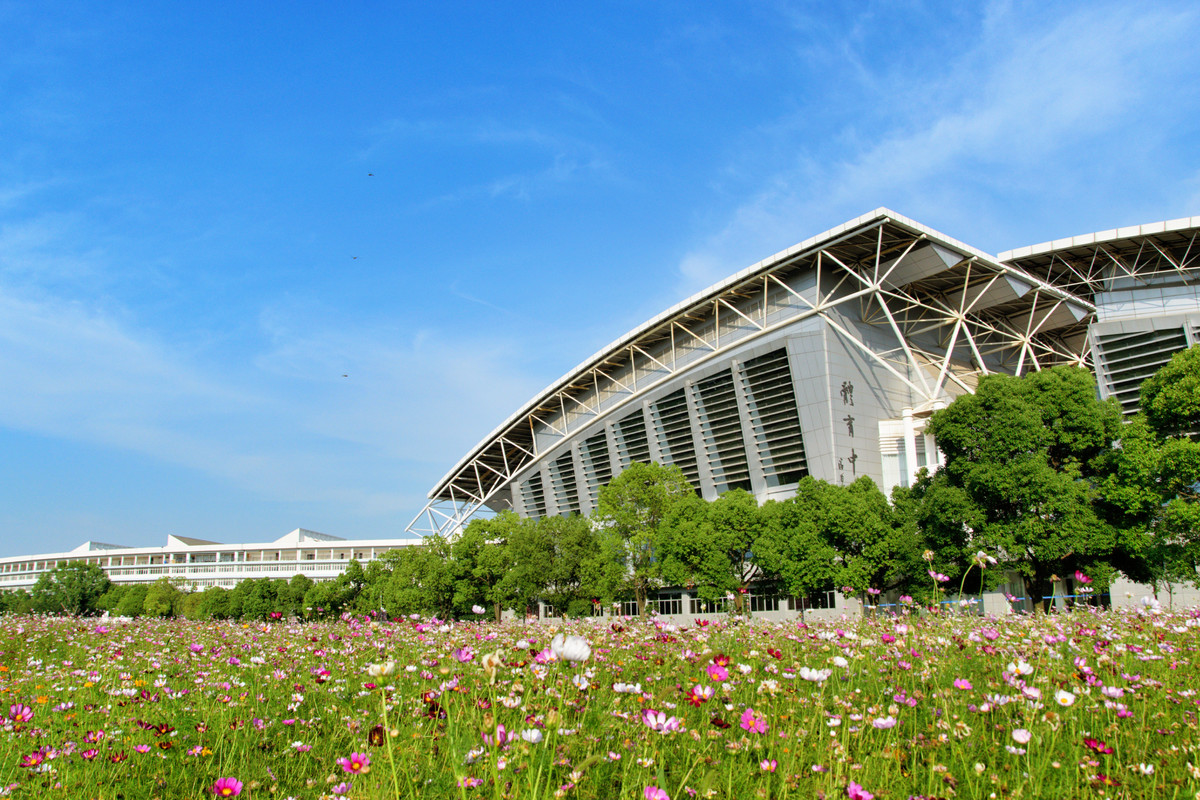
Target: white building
pixel 200 563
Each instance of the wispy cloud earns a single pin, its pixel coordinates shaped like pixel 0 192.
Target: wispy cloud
pixel 1028 113
pixel 292 428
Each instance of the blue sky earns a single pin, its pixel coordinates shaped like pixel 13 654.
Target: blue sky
pixel 211 213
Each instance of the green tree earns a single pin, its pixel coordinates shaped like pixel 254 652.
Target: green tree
pixel 162 599
pixel 573 555
pixel 706 547
pixel 830 537
pixel 73 588
pixel 530 554
pixel 133 601
pixel 481 563
pixel 630 511
pixel 1170 398
pixel 421 580
pixel 1025 452
pixel 215 603
pixel 1150 487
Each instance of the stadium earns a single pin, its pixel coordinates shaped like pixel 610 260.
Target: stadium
pixel 826 359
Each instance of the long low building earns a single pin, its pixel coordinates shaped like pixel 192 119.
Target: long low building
pixel 199 563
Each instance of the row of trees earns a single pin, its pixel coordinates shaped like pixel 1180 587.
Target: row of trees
pixel 1040 475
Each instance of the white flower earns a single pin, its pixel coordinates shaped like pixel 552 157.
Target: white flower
pixel 1020 668
pixel 570 648
pixel 531 735
pixel 1064 698
pixel 381 670
pixel 581 682
pixel 1021 736
pixel 1146 769
pixel 883 723
pixel 522 644
pixel 839 662
pixel 478 610
pixel 815 675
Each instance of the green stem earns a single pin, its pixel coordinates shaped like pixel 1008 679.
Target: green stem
pixel 387 739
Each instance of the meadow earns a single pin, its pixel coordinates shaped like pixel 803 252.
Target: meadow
pixel 1070 705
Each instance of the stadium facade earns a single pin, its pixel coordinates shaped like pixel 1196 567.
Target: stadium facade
pixel 828 358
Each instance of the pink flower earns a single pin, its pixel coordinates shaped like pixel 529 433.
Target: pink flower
pixel 463 654
pixel 659 721
pixel 355 764
pixel 768 765
pixel 1081 578
pixel 962 683
pixel 227 787
pixel 652 792
pixel 19 712
pixel 856 792
pixel 717 673
pixel 341 788
pixel 752 722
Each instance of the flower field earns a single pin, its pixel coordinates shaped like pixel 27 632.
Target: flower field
pixel 1083 704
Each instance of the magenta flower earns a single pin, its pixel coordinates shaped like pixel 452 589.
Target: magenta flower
pixel 856 792
pixel 652 792
pixel 463 654
pixel 752 722
pixel 962 683
pixel 355 764
pixel 768 765
pixel 1081 578
pixel 717 673
pixel 19 712
pixel 227 787
pixel 341 788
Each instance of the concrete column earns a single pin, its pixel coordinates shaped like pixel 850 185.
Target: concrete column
pixel 910 447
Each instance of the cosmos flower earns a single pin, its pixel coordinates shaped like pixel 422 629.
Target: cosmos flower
pixel 815 675
pixel 658 721
pixel 570 648
pixel 652 792
pixel 227 787
pixel 717 673
pixel 381 670
pixel 355 764
pixel 1021 736
pixel 753 722
pixel 1064 698
pixel 857 792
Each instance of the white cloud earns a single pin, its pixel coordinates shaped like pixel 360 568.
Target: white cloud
pixel 991 129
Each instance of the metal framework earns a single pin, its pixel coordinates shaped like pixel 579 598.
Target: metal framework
pixel 950 310
pixel 1120 258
